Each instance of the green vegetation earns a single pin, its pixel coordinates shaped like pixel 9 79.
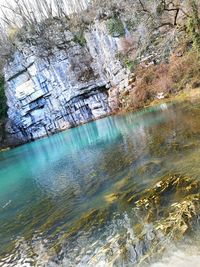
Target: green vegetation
pixel 129 63
pixel 80 38
pixel 126 61
pixel 194 26
pixel 159 9
pixel 131 24
pixel 3 106
pixel 115 27
pixel 13 32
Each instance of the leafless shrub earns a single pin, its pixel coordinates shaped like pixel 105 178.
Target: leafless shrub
pixel 25 12
pixel 146 16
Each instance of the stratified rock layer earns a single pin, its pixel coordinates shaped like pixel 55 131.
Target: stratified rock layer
pixel 57 87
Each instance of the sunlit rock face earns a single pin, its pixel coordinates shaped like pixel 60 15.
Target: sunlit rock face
pixel 52 89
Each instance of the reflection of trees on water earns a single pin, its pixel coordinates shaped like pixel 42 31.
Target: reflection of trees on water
pixel 61 177
pixel 95 150
pixel 81 162
pixel 103 147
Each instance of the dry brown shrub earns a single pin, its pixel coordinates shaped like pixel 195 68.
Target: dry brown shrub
pixel 126 44
pixel 162 82
pixel 141 89
pixel 183 70
pixel 149 82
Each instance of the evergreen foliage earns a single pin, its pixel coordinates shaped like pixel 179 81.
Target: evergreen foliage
pixel 116 27
pixel 3 105
pixel 194 26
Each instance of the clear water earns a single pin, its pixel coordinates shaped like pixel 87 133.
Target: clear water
pixel 60 197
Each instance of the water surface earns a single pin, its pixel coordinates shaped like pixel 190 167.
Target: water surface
pixel 65 200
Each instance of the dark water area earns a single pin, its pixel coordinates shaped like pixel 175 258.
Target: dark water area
pixel 109 193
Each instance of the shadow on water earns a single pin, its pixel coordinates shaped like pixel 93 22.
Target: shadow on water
pixel 103 194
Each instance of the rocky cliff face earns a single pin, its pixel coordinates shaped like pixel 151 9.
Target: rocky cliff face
pixel 58 87
pixel 65 72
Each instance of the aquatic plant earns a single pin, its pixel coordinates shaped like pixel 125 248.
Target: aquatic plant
pixel 165 212
pixel 171 205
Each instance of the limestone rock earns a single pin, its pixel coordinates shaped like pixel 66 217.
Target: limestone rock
pixel 53 88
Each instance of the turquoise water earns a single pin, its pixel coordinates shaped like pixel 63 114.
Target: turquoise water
pixel 68 183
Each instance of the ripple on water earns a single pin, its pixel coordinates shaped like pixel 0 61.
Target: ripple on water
pixel 101 194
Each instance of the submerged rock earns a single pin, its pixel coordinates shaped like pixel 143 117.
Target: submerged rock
pixel 164 213
pixel 171 207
